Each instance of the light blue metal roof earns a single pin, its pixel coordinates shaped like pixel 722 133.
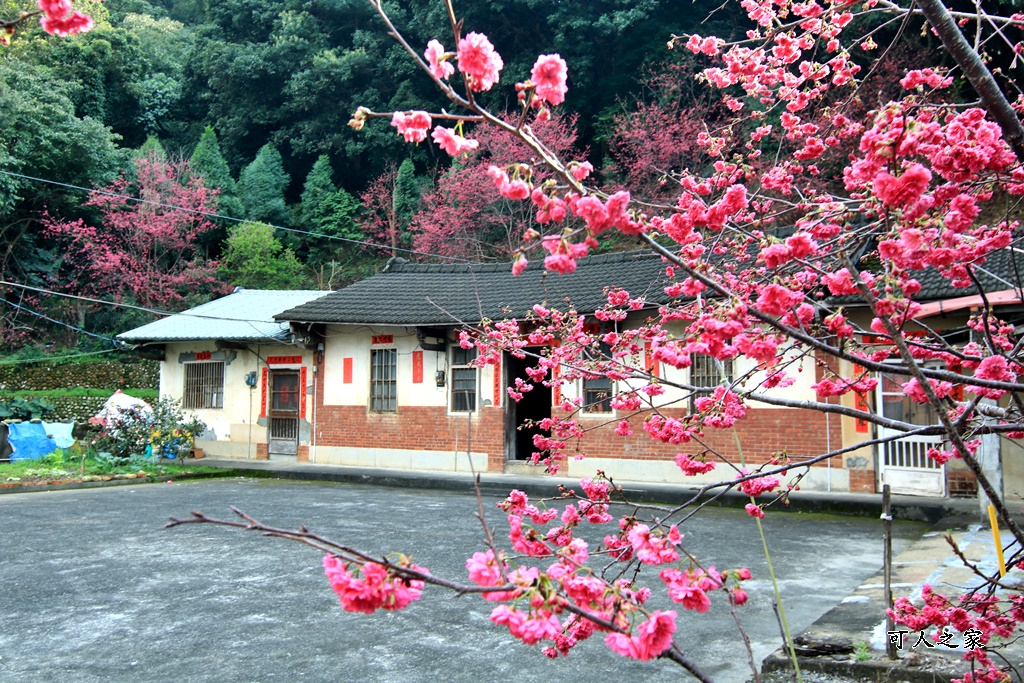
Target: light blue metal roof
pixel 246 315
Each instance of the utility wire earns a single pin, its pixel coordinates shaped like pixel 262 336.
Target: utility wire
pixel 58 322
pixel 385 247
pixel 117 304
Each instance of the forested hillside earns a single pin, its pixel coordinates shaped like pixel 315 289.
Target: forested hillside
pixel 230 117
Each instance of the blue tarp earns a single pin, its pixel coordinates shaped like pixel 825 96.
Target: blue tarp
pixel 61 433
pixel 30 441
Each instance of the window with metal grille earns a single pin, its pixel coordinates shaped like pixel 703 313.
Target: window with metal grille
pixel 597 395
pixel 706 371
pixel 383 385
pixel 597 389
pixel 204 385
pixel 464 380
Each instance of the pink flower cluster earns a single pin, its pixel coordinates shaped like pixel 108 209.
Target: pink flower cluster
pixel 437 60
pixel 758 485
pixel 976 611
pixel 691 467
pixel 412 125
pixel 448 140
pixel 479 62
pixel 378 588
pixel 652 548
pixel 690 588
pixel 652 637
pixel 548 76
pixel 59 20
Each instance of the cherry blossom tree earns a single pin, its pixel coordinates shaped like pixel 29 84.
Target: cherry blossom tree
pixel 143 251
pixel 763 258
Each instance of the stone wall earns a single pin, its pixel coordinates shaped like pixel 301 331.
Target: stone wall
pixel 108 375
pixel 104 374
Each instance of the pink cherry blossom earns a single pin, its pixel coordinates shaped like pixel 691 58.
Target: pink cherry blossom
pixel 377 589
pixel 454 144
pixel 904 190
pixel 413 125
pixel 441 68
pixel 758 485
pixel 653 637
pixel 548 76
pixel 479 62
pixel 754 510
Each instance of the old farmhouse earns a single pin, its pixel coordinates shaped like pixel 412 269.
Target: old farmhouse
pixel 372 375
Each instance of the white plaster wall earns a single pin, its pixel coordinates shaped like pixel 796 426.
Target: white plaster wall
pixel 398 459
pixel 355 343
pixel 238 419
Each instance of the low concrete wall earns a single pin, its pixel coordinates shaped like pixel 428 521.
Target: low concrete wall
pixel 397 458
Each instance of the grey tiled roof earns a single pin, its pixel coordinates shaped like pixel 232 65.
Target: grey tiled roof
pixel 246 315
pixel 1002 270
pixel 417 294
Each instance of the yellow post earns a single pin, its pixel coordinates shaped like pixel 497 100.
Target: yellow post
pixel 996 539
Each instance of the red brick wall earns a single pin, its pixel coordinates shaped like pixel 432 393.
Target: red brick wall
pixel 961 484
pixel 862 480
pixel 412 428
pixel 762 433
pixel 303 454
pixel 262 451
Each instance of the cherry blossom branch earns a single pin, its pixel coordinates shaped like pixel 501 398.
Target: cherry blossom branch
pixel 977 73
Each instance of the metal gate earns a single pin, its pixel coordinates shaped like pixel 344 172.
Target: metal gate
pixel 284 413
pixel 904 464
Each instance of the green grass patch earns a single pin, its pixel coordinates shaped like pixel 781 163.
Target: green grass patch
pixel 72 465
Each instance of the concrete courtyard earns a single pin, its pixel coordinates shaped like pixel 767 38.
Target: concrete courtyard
pixel 93 589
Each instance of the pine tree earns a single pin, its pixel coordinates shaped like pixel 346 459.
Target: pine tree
pixel 208 163
pixel 261 187
pixel 319 185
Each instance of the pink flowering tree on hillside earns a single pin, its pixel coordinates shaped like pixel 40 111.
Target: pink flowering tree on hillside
pixel 464 217
pixel 141 251
pixel 764 262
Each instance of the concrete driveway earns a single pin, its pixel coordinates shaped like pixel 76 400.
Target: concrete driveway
pixel 93 589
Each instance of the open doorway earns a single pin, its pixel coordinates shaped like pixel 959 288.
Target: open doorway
pixel 534 407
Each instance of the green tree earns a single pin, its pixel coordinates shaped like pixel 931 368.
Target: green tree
pixel 319 185
pixel 41 136
pixel 208 163
pixel 262 185
pixel 151 148
pixel 254 258
pixel 334 216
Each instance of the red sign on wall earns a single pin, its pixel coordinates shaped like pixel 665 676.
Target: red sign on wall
pixel 204 355
pixel 383 339
pixel 860 402
pixel 263 392
pixel 346 371
pixel 284 360
pixel 417 367
pixel 650 364
pixel 497 383
pixel 302 392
